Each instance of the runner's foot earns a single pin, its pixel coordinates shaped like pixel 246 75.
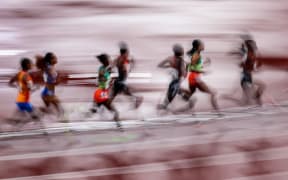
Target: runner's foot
pixel 161 107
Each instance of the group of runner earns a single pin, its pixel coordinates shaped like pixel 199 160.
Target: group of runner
pixel 24 82
pixel 193 69
pixel 108 88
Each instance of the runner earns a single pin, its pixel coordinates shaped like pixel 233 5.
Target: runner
pixel 177 65
pixel 195 69
pixel 102 93
pixel 23 81
pixel 252 88
pixel 51 79
pixel 122 63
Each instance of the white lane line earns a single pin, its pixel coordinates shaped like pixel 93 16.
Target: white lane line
pixel 214 116
pixel 148 145
pixel 113 75
pixel 5 71
pixel 86 126
pixel 216 160
pixel 271 176
pixel 11 52
pixel 229 112
pixel 34 132
pixel 138 78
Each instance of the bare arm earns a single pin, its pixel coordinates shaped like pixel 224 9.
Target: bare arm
pixel 30 84
pixel 113 64
pixel 207 62
pixel 194 58
pixel 132 64
pixel 183 69
pixel 164 64
pixel 12 81
pixel 101 75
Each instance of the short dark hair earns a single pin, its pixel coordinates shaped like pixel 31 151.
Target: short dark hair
pixel 251 45
pixel 123 51
pixel 25 62
pixel 195 45
pixel 103 58
pixel 178 50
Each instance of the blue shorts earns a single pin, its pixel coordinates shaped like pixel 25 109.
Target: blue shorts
pixel 24 107
pixel 47 92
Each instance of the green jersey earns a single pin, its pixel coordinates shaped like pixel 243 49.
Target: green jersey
pixel 196 67
pixel 104 77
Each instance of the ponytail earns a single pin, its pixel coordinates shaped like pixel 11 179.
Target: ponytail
pixel 40 64
pixel 195 45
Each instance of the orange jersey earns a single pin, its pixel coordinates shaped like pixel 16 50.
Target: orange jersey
pixel 23 80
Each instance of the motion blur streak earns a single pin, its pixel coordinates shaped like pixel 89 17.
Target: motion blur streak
pixel 244 139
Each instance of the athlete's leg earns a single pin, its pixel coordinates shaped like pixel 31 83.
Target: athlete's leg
pixel 108 104
pixel 247 88
pixel 116 89
pixel 127 91
pixel 27 107
pixel 94 108
pixel 58 106
pixel 173 89
pixel 46 100
pixel 259 90
pixel 20 112
pixel 202 86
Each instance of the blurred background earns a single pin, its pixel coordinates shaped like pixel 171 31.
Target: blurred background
pixel 77 30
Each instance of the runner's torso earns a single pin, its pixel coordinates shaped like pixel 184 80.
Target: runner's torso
pixel 249 57
pixel 177 63
pixel 248 66
pixel 23 80
pixel 197 67
pixel 104 77
pixel 50 77
pixel 122 66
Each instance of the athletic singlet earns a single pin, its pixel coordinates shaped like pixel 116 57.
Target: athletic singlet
pixel 23 80
pixel 103 81
pixel 50 78
pixel 248 65
pixel 194 75
pixel 176 63
pixel 122 68
pixel 196 67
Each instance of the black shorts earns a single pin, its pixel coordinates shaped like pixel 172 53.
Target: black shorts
pixel 246 79
pixel 173 89
pixel 119 87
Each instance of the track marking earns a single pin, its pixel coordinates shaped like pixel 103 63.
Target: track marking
pixel 276 176
pixel 185 118
pixel 148 145
pixel 216 160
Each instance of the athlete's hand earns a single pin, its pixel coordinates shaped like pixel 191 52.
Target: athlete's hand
pixel 207 62
pixel 35 88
